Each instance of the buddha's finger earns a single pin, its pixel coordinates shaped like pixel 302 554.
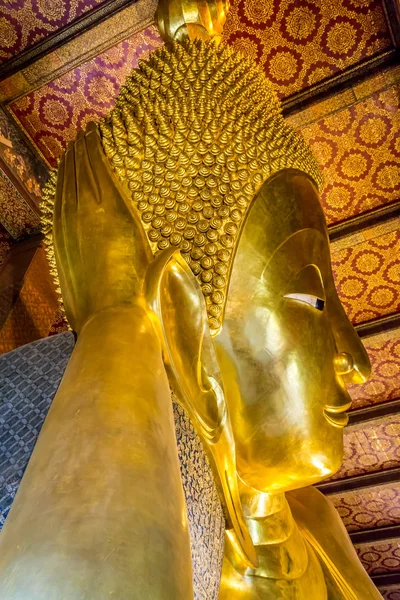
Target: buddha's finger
pixel 57 226
pixel 61 237
pixel 68 217
pixel 64 195
pixel 106 180
pixel 69 192
pixel 88 190
pixel 58 232
pixel 113 193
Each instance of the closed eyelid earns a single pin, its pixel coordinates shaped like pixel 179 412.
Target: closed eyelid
pixel 313 301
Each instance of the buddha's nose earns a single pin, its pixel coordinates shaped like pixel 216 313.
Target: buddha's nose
pixel 351 361
pixel 343 363
pixel 360 371
pixel 353 370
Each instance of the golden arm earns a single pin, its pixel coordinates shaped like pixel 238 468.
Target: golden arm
pixel 100 512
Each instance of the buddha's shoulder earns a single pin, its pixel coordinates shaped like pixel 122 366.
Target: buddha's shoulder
pixel 323 528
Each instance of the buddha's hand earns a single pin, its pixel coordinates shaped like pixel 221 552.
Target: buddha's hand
pixel 100 247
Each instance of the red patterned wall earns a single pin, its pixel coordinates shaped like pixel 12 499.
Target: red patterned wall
pixel 23 23
pixel 54 113
pixel 370 447
pixel 367 274
pixel 384 385
pixel 391 592
pixel 380 557
pixel 368 508
pixel 358 149
pixel 302 42
pixel 16 215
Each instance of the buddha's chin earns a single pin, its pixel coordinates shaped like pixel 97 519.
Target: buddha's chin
pixel 310 471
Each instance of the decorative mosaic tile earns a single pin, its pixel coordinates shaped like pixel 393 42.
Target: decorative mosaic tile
pixel 30 377
pixel 206 522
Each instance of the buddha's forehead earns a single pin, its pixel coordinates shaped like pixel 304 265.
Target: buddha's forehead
pixel 284 231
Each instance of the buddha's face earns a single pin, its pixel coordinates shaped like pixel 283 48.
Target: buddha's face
pixel 286 348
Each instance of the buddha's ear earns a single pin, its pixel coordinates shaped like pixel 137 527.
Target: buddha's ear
pixel 177 302
pixel 177 306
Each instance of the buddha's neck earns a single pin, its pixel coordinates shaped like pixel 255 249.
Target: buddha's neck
pixel 281 550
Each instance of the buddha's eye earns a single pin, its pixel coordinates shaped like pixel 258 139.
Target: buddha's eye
pixel 313 301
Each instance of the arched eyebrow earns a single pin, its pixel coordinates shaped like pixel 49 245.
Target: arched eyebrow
pixel 313 301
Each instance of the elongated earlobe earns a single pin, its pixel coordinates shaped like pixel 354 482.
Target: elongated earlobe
pixel 178 304
pixel 178 309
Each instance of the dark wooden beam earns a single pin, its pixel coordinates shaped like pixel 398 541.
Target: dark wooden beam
pixel 378 325
pixel 368 219
pixel 374 412
pixel 385 579
pixel 51 42
pixel 375 535
pixel 333 85
pixel 360 481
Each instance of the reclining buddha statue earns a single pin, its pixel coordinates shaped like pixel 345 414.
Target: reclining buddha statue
pixel 192 254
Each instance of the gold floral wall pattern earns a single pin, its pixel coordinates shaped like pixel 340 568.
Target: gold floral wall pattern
pixel 358 149
pixel 369 508
pixel 384 385
pixel 370 447
pixel 16 216
pixel 5 245
pixel 26 22
pixel 35 309
pixel 301 42
pixel 367 274
pixel 380 557
pixel 52 114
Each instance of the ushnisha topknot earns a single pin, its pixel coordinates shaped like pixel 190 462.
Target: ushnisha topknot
pixel 196 130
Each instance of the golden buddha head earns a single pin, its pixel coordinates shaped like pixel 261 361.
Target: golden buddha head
pixel 254 332
pixel 286 348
